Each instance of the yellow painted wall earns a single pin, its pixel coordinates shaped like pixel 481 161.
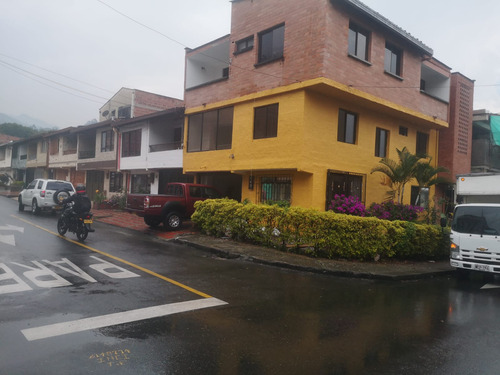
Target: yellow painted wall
pixel 306 146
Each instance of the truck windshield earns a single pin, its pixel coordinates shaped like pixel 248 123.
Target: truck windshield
pixel 477 220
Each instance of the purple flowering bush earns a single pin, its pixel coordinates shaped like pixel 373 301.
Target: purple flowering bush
pixel 394 211
pixel 347 205
pixel 350 205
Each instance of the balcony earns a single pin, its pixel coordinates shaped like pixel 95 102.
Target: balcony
pixel 208 64
pixel 485 156
pixel 90 154
pixel 165 147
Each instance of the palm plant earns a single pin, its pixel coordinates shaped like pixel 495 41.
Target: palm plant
pixel 426 176
pixel 399 172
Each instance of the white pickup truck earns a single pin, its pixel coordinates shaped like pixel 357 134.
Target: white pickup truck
pixel 475 229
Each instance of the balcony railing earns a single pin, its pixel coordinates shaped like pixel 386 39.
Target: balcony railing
pixel 86 154
pixel 165 147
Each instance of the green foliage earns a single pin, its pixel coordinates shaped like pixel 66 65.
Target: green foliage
pixel 21 131
pixel 322 234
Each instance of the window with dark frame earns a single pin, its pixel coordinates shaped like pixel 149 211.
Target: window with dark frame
pixel 359 40
pixel 131 143
pixel 422 142
pixel 275 189
pixel 392 62
pixel 381 141
pixel 244 45
pixel 347 127
pixel 107 141
pixel 211 130
pixel 115 182
pixel 265 123
pixel 403 130
pixel 271 44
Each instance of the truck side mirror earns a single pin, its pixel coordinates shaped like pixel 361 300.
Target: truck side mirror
pixel 443 222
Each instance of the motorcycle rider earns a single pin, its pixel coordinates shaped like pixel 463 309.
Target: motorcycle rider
pixel 81 202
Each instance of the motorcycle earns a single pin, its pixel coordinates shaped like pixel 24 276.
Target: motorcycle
pixel 80 224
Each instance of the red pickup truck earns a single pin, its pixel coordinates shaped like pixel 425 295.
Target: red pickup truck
pixel 171 208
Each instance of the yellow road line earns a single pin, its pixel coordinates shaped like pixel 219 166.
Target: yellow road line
pixel 118 259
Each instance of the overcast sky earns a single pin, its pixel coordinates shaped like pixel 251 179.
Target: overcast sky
pixel 95 50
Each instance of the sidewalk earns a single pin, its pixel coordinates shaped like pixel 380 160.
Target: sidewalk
pixel 227 248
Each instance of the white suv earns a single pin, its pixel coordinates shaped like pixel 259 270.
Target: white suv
pixel 43 194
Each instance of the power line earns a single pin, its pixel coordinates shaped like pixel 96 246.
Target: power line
pixel 17 70
pixel 59 74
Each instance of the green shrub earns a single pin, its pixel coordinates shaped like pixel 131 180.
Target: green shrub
pixel 322 234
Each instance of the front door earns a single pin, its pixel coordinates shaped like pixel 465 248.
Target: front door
pixel 95 181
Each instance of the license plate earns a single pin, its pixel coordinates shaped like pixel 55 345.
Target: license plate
pixel 481 267
pixel 87 221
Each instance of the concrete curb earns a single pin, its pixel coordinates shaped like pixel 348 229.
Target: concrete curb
pixel 370 270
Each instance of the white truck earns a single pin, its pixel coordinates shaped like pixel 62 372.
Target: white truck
pixel 475 229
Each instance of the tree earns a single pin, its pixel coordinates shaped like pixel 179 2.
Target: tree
pixel 399 172
pixel 426 176
pixel 21 131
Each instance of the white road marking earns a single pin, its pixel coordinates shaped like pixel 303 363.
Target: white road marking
pixel 86 324
pixel 8 239
pixel 12 227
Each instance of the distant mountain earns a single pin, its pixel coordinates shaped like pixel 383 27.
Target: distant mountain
pixel 25 120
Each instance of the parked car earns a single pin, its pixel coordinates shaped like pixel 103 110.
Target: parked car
pixel 43 194
pixel 171 208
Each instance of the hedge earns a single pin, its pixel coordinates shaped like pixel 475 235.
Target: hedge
pixel 320 234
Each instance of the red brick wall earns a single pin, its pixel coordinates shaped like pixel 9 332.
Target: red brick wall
pixel 316 37
pixel 146 103
pixel 455 142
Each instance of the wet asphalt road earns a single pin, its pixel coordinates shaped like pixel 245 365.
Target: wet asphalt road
pixel 217 316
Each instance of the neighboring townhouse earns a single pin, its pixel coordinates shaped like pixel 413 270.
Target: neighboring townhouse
pixel 485 142
pixel 37 159
pixel 129 103
pixel 150 150
pixel 97 158
pixel 63 156
pixel 19 158
pixel 302 100
pixel 6 160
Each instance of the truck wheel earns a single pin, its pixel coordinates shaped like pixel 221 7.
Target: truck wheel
pixel 172 221
pixel 152 222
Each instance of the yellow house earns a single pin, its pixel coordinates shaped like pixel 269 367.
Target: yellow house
pixel 271 116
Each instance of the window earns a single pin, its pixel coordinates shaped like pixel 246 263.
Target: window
pixel 115 182
pixel 265 123
pixel 139 184
pixel 340 183
pixel 392 63
pixel 275 189
pixel 347 127
pixel 45 146
pixel 403 131
pixel 271 44
pixel 381 140
pixel 131 143
pixel 358 42
pixel 211 130
pixel 422 141
pixel 419 197
pixel 244 45
pixel 107 141
pixel 124 112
